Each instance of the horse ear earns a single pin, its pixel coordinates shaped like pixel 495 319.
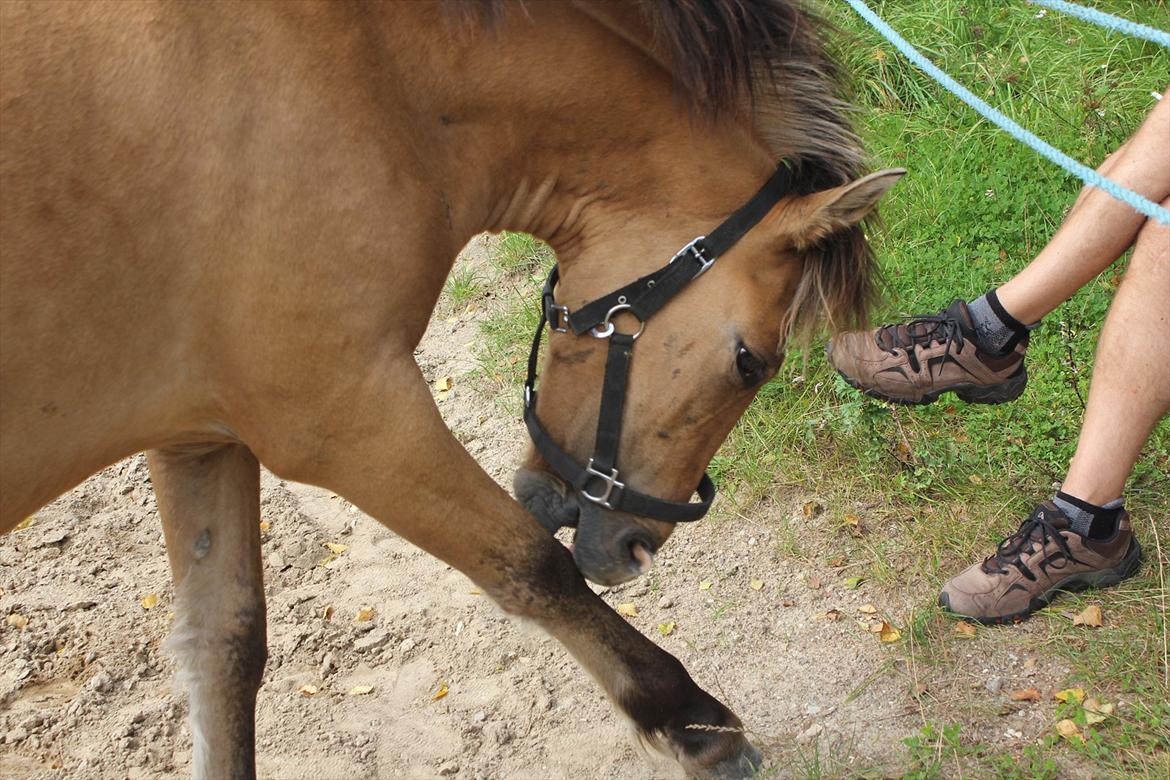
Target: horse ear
pixel 823 213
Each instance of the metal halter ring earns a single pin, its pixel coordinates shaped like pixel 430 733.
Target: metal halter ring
pixel 606 328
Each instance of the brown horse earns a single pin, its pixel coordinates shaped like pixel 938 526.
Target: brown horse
pixel 225 225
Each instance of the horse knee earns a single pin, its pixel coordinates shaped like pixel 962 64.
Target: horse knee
pixel 537 580
pixel 221 654
pixel 208 640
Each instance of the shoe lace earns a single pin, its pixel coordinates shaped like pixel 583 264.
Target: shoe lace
pixel 921 330
pixel 1036 530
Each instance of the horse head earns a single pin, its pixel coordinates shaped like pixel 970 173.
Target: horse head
pixel 643 397
pixel 640 386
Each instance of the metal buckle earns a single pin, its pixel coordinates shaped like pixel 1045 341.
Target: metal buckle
pixel 528 393
pixel 560 315
pixel 611 482
pixel 606 328
pixel 697 253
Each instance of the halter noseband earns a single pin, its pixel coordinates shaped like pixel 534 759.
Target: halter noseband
pixel 598 482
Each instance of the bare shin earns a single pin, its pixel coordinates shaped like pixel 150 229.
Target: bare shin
pixel 1098 229
pixel 1130 389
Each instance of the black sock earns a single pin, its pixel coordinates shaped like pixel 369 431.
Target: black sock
pixel 1095 522
pixel 996 331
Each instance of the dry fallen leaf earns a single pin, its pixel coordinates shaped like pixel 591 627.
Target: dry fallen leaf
pixel 705 585
pixel 628 609
pixel 307 690
pixel 868 609
pixel 975 479
pixel 1070 695
pixel 811 509
pixel 443 691
pixel 1025 694
pixel 149 601
pixel 851 519
pixel 757 584
pixel 1090 616
pixel 1068 730
pixel 443 383
pixel 887 633
pixel 963 628
pixel 813 582
pixel 326 613
pixel 787 603
pixel 25 523
pixel 364 614
pixel 17 621
pixel 335 548
pixel 666 629
pixel 360 690
pixel 1096 712
pixel 475 592
pixel 832 614
pixel 264 526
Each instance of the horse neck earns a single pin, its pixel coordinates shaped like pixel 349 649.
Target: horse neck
pixel 554 125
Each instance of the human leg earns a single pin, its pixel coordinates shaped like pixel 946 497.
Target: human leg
pixel 1099 228
pixel 1082 538
pixel 977 349
pixel 1130 389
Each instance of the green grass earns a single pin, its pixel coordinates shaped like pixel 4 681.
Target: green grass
pixel 506 335
pixel 936 487
pixel 462 287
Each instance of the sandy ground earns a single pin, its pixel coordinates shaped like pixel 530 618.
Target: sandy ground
pixel 86 689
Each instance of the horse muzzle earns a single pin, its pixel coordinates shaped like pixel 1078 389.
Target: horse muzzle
pixel 609 548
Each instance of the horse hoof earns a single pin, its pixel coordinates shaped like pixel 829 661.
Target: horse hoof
pixel 745 763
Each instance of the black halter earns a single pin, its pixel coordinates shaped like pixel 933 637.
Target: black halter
pixel 641 298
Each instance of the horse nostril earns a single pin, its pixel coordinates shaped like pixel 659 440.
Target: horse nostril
pixel 642 553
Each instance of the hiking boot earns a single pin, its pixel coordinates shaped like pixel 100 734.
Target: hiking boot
pixel 917 361
pixel 1030 567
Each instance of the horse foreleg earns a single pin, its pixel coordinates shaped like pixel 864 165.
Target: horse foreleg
pixel 402 466
pixel 209 499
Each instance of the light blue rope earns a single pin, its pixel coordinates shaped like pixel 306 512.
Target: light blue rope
pixel 1108 21
pixel 997 118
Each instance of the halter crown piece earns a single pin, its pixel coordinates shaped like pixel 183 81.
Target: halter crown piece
pixel 599 481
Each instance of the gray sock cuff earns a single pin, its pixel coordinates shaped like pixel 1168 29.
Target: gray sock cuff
pixel 1079 519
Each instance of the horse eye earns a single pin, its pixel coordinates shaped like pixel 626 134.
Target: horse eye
pixel 749 366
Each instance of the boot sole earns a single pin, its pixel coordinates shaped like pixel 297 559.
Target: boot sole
pixel 1008 390
pixel 1126 568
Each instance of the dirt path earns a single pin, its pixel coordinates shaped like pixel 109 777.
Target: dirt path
pixel 87 691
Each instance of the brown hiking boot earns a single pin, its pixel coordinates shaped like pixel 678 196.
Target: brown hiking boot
pixel 917 361
pixel 1030 567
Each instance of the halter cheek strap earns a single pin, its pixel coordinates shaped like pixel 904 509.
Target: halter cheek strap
pixel 599 482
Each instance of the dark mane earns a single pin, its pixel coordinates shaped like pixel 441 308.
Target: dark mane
pixel 767 60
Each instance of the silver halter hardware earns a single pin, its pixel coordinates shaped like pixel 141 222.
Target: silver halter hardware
pixel 610 480
pixel 606 328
